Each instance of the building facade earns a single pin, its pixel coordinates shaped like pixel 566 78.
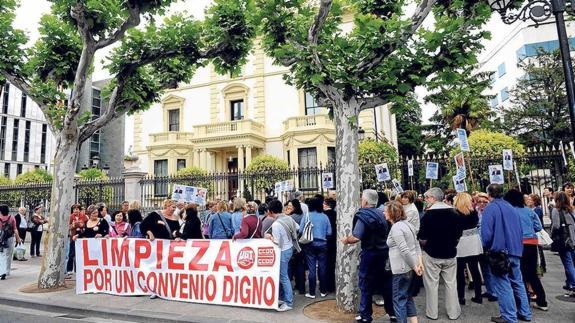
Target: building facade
pixel 510 44
pixel 26 141
pixel 220 123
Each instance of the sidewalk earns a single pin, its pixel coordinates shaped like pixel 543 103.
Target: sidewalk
pixel 143 309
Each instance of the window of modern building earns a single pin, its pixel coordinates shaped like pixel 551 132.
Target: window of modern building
pixel 6 99
pixel 237 110
pixel 43 144
pixel 27 141
pixel 180 164
pixel 494 102
pixel 95 144
pixel 311 107
pixel 504 94
pixel 18 169
pixel 174 120
pixel 23 103
pixel 307 158
pixel 96 103
pixel 160 185
pixel 7 170
pixel 501 70
pixel 3 136
pixel 530 50
pixel 330 157
pixel 16 130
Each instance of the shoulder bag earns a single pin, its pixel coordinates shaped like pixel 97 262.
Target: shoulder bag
pixel 307 233
pixel 499 260
pixel 228 234
pixel 166 225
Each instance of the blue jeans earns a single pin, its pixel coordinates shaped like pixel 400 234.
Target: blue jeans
pixel 286 293
pixel 371 270
pixel 316 256
pixel 511 291
pixel 568 260
pixel 403 303
pixel 487 276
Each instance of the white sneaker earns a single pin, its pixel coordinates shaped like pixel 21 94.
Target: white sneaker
pixel 323 295
pixel 153 296
pixel 308 295
pixel 358 318
pixel 280 303
pixel 380 302
pixel 284 307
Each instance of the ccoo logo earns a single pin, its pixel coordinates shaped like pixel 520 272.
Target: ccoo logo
pixel 246 258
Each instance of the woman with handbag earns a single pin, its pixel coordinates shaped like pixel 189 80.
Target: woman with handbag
pixel 530 225
pixel 38 221
pixel 405 261
pixel 563 235
pixel 220 224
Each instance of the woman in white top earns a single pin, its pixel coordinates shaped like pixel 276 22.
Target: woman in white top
pixel 38 220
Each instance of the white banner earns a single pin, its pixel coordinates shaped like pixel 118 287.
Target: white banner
pixel 240 273
pixel 189 194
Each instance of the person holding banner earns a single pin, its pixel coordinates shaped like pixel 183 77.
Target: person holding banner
pixel 284 234
pixel 220 225
pixel 191 227
pixel 96 227
pixel 120 227
pixel 161 224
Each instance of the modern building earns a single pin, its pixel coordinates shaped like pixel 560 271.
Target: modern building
pixel 26 141
pixel 511 44
pixel 220 123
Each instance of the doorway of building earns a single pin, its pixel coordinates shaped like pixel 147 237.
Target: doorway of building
pixel 232 178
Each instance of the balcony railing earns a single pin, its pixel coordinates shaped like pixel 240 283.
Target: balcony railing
pixel 238 127
pixel 305 122
pixel 175 136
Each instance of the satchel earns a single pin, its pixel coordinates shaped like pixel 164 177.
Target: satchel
pixel 498 262
pixel 307 233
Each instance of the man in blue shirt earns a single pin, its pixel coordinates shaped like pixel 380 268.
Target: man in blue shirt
pixel 501 231
pixel 371 228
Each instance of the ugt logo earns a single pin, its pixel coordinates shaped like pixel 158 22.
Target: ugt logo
pixel 246 258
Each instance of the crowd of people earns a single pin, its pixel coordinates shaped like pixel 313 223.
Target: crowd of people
pixel 490 239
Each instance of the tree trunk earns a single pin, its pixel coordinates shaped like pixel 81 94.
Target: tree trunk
pixel 62 197
pixel 348 195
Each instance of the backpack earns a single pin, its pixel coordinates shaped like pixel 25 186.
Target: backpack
pixel 6 232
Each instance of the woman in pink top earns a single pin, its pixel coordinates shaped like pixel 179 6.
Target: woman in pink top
pixel 120 228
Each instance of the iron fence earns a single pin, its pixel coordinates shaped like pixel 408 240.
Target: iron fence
pixel 110 192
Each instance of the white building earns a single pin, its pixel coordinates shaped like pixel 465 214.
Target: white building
pixel 26 141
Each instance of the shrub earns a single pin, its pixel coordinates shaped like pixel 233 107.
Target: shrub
pixel 268 170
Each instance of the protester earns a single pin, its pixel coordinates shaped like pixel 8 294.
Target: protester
pixel 405 261
pixel 481 201
pixel 8 234
pixel 96 227
pixel 407 199
pixel 22 223
pixel 120 228
pixel 548 194
pixel 439 235
pixel 250 227
pixel 329 205
pixel 191 228
pixel 267 221
pixel 125 207
pixel 299 195
pixel 135 220
pixel 239 206
pixel 76 224
pixel 103 213
pixel 502 237
pixel 530 225
pixel 298 264
pixel 469 248
pixel 563 235
pixel 38 221
pixel 221 223
pixel 161 224
pixel 371 228
pixel 205 218
pixel 316 251
pixel 382 198
pixel 533 202
pixel 284 234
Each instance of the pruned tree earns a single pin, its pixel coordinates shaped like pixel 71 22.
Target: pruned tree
pixel 382 54
pixel 146 60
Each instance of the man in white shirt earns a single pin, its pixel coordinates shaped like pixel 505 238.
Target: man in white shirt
pixel 283 233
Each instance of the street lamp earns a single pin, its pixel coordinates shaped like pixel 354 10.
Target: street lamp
pixel 539 11
pixel 360 134
pixel 96 164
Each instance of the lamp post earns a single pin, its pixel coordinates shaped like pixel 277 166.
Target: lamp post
pixel 360 134
pixel 539 11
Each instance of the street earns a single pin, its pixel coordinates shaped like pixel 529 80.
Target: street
pixel 11 314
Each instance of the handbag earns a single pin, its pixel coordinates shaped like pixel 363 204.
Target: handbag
pixel 228 234
pixel 499 260
pixel 544 238
pixel 307 233
pixel 560 237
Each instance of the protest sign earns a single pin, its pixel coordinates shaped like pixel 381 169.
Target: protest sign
pixel 459 184
pixel 496 174
pixel 284 186
pixel 327 180
pixel 189 194
pixel 410 167
pixel 382 172
pixel 462 136
pixel 240 273
pixel 431 170
pixel 460 166
pixel 397 186
pixel 507 159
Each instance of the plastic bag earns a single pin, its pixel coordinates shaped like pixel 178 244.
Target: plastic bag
pixel 20 251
